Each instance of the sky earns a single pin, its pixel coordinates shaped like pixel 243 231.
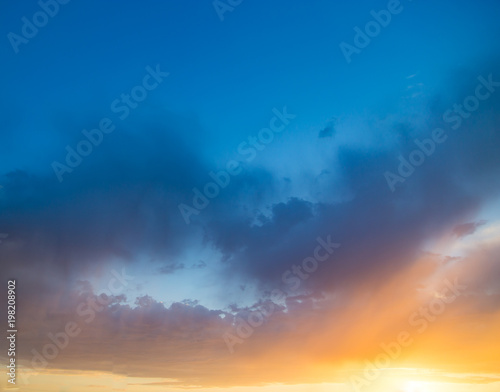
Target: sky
pixel 250 196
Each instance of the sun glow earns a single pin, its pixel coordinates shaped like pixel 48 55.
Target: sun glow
pixel 415 386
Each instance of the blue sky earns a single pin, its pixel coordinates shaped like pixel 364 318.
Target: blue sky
pixel 230 74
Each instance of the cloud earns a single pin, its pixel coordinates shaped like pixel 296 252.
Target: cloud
pixel 329 130
pixel 184 340
pixel 121 204
pixel 466 229
pixel 170 269
pixel 201 264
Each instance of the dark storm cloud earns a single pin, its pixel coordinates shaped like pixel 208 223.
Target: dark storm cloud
pixel 120 202
pixel 381 232
pixel 233 235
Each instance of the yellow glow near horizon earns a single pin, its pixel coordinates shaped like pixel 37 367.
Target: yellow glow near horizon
pixel 415 386
pixel 395 382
